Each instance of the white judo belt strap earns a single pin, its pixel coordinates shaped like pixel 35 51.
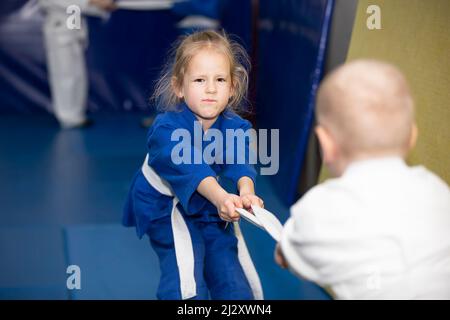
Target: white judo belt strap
pixel 183 243
pixel 182 238
pixel 247 264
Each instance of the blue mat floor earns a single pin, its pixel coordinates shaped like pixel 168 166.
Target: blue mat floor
pixel 61 202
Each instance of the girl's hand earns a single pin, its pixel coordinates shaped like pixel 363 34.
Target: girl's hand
pixel 226 207
pixel 250 199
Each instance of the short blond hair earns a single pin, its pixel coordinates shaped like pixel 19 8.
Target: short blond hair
pixel 185 48
pixel 367 106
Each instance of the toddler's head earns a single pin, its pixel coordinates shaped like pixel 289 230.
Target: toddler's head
pixel 364 110
pixel 208 71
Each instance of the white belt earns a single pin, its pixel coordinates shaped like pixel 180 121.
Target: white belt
pixel 183 243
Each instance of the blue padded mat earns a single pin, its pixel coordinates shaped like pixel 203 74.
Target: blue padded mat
pixel 32 264
pixel 114 263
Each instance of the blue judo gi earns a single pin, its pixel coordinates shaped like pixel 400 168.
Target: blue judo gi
pixel 200 255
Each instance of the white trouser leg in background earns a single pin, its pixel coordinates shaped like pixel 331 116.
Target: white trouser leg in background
pixel 66 68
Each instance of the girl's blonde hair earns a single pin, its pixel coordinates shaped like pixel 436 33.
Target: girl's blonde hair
pixel 185 48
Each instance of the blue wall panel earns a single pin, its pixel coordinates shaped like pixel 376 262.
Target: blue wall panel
pixel 292 43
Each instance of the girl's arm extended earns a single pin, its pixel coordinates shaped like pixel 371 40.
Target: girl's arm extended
pixel 225 202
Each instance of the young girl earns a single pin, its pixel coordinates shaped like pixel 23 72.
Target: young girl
pixel 181 206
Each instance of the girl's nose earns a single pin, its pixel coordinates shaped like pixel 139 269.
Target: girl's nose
pixel 210 87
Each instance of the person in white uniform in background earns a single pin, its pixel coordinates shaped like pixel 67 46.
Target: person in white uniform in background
pixel 65 48
pixel 381 229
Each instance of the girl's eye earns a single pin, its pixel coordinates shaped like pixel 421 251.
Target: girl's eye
pixel 222 80
pixel 199 80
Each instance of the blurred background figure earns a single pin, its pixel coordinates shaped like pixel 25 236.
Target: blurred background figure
pixel 65 45
pixel 199 14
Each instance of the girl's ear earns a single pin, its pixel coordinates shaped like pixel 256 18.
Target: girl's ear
pixel 176 88
pixel 232 89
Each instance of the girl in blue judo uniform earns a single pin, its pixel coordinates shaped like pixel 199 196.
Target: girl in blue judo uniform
pixel 176 198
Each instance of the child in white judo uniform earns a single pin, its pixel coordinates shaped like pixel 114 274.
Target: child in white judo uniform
pixel 65 49
pixel 381 229
pixel 176 198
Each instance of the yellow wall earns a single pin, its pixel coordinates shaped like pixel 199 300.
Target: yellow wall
pixel 415 36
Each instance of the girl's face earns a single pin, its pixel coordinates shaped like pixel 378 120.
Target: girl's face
pixel 206 86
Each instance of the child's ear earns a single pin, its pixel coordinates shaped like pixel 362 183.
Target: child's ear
pixel 328 145
pixel 413 136
pixel 176 88
pixel 232 89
